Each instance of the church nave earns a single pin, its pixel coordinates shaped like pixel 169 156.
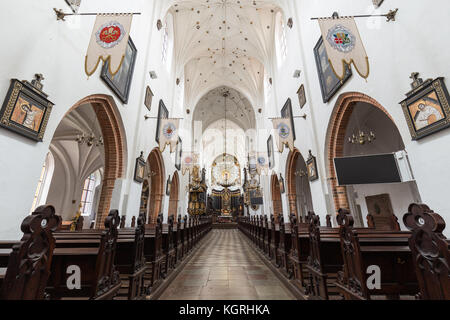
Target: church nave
pixel 225 267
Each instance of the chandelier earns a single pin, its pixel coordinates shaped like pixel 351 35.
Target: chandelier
pixel 362 138
pixel 90 140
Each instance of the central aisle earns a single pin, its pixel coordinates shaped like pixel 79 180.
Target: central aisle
pixel 226 268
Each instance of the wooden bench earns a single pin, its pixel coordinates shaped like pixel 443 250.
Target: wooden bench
pixel 26 265
pixel 430 251
pixel 274 238
pixel 284 248
pixel 386 250
pixel 168 248
pixel 299 253
pixel 153 255
pixel 93 253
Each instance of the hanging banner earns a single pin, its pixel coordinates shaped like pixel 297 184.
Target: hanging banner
pixel 168 134
pixel 284 134
pixel 109 41
pixel 190 160
pixel 344 46
pixel 262 163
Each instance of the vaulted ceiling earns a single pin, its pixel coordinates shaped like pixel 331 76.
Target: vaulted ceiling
pixel 223 42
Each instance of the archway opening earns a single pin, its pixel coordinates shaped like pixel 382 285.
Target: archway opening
pixel 299 189
pixel 276 197
pixel 89 151
pixel 361 127
pixel 174 196
pixel 156 174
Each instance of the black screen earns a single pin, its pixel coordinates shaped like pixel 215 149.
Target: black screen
pixel 380 168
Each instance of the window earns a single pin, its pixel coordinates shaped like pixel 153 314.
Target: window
pixel 167 42
pixel 281 39
pixel 87 197
pixel 40 196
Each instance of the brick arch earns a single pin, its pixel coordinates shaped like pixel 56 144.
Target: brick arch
pixel 276 196
pixel 291 168
pixel 113 133
pixel 336 138
pixel 157 174
pixel 174 195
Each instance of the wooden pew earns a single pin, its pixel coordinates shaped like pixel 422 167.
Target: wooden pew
pixel 266 235
pixel 185 236
pixel 284 248
pixel 430 251
pixel 168 249
pixel 26 265
pixel 387 250
pixel 94 253
pixel 299 253
pixel 324 260
pixel 153 255
pixel 274 238
pixel 130 261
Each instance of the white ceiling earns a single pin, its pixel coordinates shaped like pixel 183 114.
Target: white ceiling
pixel 211 108
pixel 223 42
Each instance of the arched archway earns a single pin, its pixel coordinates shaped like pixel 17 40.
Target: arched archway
pixel 174 196
pixel 276 196
pixel 354 114
pixel 157 176
pixel 336 138
pixel 299 190
pixel 76 166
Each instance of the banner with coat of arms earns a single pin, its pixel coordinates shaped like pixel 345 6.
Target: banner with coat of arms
pixel 109 41
pixel 168 134
pixel 262 163
pixel 189 161
pixel 344 46
pixel 284 134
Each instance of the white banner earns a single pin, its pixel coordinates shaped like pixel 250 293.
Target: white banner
pixel 262 163
pixel 284 134
pixel 190 159
pixel 344 46
pixel 168 134
pixel 109 41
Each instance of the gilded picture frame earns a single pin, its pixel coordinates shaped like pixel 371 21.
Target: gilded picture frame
pixel 120 84
pixel 427 109
pixel 311 166
pixel 163 113
pixel 329 83
pixel 148 98
pixel 301 96
pixel 25 110
pixel 139 170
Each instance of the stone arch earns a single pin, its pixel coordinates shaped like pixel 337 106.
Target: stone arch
pixel 174 196
pixel 157 177
pixel 276 196
pixel 335 140
pixel 115 145
pixel 291 175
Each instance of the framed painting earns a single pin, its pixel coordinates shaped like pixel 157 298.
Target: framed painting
pixel 427 109
pixel 301 96
pixel 286 112
pixel 120 84
pixel 282 186
pixel 329 83
pixel 25 110
pixel 148 98
pixel 179 154
pixel 139 170
pixel 163 113
pixel 270 152
pixel 168 186
pixel 311 166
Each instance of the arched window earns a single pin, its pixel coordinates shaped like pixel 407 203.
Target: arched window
pixel 40 196
pixel 87 196
pixel 167 42
pixel 280 39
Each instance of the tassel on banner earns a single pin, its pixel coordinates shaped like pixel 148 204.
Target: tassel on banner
pixel 109 42
pixel 168 134
pixel 344 46
pixel 284 134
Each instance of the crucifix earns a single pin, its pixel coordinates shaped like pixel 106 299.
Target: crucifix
pixel 417 81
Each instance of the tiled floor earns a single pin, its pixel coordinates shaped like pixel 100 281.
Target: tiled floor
pixel 226 268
